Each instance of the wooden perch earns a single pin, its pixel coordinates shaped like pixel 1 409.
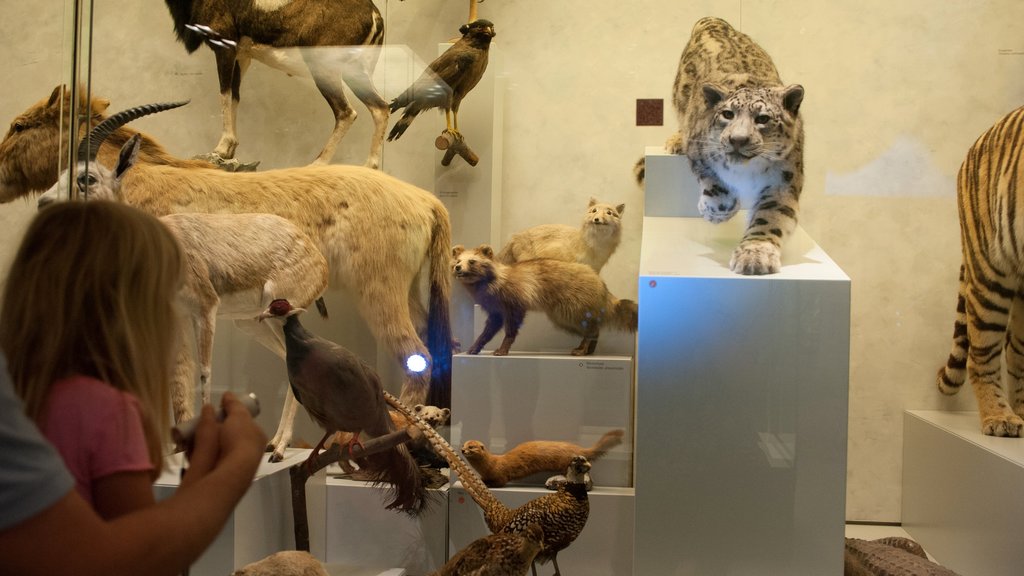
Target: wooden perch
pixel 453 143
pixel 301 472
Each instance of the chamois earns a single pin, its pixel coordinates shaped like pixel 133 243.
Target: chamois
pixel 236 264
pixel 337 42
pixel 376 232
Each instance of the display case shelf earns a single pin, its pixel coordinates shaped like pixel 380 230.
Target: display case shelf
pixel 961 492
pixel 361 532
pixel 742 387
pixel 503 401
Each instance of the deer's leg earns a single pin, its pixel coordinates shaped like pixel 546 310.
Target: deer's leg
pixel 229 73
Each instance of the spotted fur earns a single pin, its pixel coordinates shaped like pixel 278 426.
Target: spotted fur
pixel 741 129
pixel 990 317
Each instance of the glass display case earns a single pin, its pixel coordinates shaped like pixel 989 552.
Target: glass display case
pixel 758 413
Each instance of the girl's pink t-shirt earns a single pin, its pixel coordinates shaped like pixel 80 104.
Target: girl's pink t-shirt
pixel 96 428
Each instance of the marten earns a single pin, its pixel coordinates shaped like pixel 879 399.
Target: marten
pixel 572 295
pixel 532 457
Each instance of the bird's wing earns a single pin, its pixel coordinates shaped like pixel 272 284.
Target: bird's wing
pixel 337 389
pixel 452 66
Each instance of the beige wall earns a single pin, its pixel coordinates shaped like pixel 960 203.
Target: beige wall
pixel 896 92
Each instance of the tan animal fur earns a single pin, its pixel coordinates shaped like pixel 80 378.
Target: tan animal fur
pixel 30 156
pixel 572 295
pixel 592 243
pixel 235 265
pixel 528 458
pixel 375 231
pixel 286 563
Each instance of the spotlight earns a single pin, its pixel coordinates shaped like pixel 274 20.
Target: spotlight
pixel 416 363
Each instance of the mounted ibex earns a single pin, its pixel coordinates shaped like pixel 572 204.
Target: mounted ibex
pixel 236 264
pixel 337 42
pixel 375 231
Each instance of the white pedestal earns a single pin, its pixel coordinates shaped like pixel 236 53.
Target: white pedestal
pixel 670 188
pixel 742 389
pixel 361 532
pixel 604 548
pixel 262 523
pixel 505 400
pixel 962 492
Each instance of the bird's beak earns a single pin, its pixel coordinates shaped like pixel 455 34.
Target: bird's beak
pixel 265 314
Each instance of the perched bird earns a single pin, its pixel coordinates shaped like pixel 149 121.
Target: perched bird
pixel 341 393
pixel 496 555
pixel 561 516
pixel 448 79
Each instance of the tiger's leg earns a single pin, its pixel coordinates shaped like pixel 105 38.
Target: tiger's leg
pixel 772 220
pixel 1014 353
pixel 952 376
pixel 988 309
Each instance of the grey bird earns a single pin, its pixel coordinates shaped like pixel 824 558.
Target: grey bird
pixel 342 393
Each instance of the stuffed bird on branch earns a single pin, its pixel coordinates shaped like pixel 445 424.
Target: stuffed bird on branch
pixel 448 79
pixel 342 393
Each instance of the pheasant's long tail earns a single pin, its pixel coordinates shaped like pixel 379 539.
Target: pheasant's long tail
pixel 496 514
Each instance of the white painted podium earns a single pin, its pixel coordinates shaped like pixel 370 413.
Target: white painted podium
pixel 961 492
pixel 742 387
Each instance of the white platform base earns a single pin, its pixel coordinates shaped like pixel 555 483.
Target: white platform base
pixel 962 492
pixel 505 400
pixel 360 532
pixel 604 548
pixel 262 523
pixel 670 188
pixel 742 386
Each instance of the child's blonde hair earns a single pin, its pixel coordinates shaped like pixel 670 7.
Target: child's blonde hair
pixel 92 291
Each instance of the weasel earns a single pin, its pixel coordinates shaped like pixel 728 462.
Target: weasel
pixel 592 243
pixel 572 295
pixel 532 457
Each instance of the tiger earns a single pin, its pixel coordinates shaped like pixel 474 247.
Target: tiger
pixel 742 131
pixel 990 299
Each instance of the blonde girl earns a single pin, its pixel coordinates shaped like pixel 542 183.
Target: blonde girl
pixel 89 327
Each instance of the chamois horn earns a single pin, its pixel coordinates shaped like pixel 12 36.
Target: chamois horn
pixel 90 145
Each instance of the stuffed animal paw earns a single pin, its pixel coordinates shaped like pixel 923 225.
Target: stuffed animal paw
pixel 756 258
pixel 717 205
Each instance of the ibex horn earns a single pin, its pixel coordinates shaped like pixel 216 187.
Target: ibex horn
pixel 90 145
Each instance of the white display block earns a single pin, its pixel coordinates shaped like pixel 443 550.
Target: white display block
pixel 361 532
pixel 742 387
pixel 962 492
pixel 604 548
pixel 506 400
pixel 670 188
pixel 262 523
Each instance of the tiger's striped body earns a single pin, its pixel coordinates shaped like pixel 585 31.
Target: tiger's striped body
pixel 990 305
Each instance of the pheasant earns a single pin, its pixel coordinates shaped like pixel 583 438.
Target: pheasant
pixel 561 515
pixel 342 393
pixel 496 555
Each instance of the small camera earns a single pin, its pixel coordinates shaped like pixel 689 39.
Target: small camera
pixel 183 433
